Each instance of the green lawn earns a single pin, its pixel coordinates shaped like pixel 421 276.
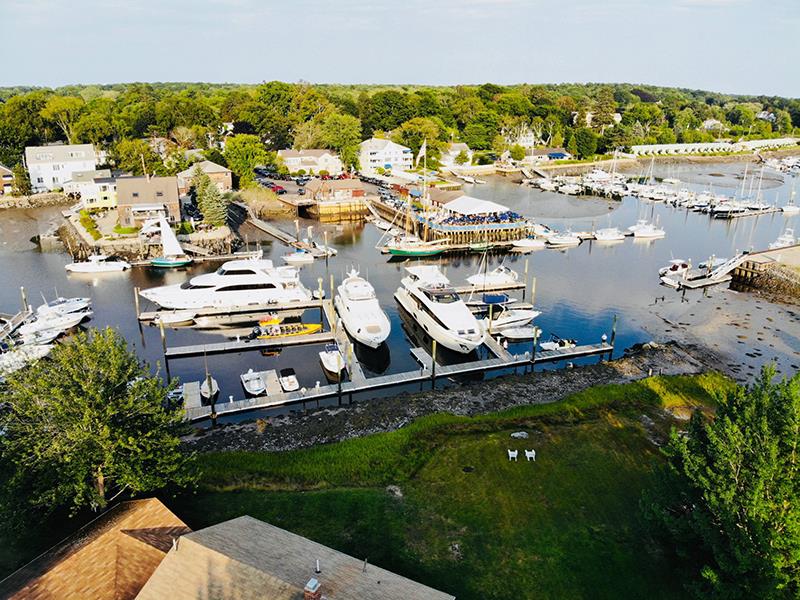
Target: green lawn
pixel 470 522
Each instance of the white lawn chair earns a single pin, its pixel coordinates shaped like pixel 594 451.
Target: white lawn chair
pixel 530 455
pixel 512 455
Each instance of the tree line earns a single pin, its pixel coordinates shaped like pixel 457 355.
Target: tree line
pixel 585 119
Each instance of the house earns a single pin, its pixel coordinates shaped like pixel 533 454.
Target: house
pixel 142 198
pixel 711 124
pixel 95 189
pixel 453 150
pixel 6 180
pixel 52 166
pixel 311 161
pixel 110 558
pixel 335 189
pixel 218 174
pixel 544 153
pixel 377 154
pixel 248 559
pixel 766 115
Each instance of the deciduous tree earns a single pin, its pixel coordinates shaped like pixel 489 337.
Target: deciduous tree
pixel 64 112
pixel 245 152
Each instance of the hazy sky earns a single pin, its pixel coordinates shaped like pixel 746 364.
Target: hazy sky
pixel 744 46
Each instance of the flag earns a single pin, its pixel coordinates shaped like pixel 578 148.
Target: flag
pixel 422 151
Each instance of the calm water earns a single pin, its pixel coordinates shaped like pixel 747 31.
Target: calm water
pixel 578 290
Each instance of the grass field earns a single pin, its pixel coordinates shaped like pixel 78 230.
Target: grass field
pixel 469 521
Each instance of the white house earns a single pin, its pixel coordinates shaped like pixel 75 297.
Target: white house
pixel 311 160
pixel 385 154
pixel 6 180
pixel 50 167
pixel 453 150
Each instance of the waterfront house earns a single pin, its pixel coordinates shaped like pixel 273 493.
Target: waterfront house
pixel 219 175
pixel 544 153
pixel 453 150
pixel 95 189
pixel 311 161
pixel 377 154
pixel 247 559
pixel 335 189
pixel 6 180
pixel 111 558
pixel 50 167
pixel 143 198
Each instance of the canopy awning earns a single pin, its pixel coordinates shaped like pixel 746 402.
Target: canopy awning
pixel 467 205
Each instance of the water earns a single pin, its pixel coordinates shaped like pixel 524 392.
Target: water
pixel 578 290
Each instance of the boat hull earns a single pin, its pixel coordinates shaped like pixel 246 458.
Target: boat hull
pixel 446 338
pixel 170 263
pixel 356 330
pixel 415 252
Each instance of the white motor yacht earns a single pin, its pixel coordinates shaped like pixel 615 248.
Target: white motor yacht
pixel 360 311
pixel 426 294
pixel 98 263
pixel 253 383
pixel 609 234
pixel 562 240
pixel 498 276
pixel 49 322
pixel 301 257
pixel 573 189
pixel 237 284
pixel 786 239
pixel 649 231
pixel 63 306
pixel 528 243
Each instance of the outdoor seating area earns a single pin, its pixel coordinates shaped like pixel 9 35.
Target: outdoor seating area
pixel 508 216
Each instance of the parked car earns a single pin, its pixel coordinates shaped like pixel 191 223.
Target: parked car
pixel 278 189
pixel 301 191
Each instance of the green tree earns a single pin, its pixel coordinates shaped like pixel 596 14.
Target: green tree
pixel 604 108
pixel 90 424
pixel 213 205
pixel 741 114
pixel 22 181
pixel 517 152
pixel 783 121
pixel 461 158
pixel 64 112
pixel 129 155
pixel 415 131
pixel 572 145
pixel 343 134
pixel 243 153
pixel 730 495
pixel 585 142
pixel 481 130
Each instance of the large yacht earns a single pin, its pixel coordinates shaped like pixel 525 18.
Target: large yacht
pixel 236 285
pixel 426 294
pixel 360 311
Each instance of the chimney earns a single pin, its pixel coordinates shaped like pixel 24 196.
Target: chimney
pixel 312 591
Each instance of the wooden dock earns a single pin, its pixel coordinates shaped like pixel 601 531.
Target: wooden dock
pixel 747 213
pixel 253 309
pixel 244 345
pixel 13 322
pixel 206 258
pixel 281 235
pixel 425 373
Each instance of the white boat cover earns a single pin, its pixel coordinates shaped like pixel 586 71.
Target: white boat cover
pixel 467 205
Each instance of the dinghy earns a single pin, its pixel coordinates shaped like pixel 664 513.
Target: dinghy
pixel 288 380
pixel 332 361
pixel 253 383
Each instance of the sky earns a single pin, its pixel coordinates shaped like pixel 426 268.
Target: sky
pixel 732 46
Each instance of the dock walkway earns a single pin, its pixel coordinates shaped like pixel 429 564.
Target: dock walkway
pixel 280 234
pixel 13 322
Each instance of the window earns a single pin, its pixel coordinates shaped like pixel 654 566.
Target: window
pixel 189 286
pixel 159 194
pixel 222 271
pixel 247 287
pixel 135 194
pixel 56 167
pixel 40 180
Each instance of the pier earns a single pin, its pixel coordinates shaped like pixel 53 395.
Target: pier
pixel 281 235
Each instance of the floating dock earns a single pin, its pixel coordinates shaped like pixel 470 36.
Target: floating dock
pixel 281 235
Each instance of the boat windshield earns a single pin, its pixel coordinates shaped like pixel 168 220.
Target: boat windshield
pixel 188 285
pixel 443 296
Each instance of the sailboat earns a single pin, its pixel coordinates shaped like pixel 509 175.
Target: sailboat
pixel 790 208
pixel 173 255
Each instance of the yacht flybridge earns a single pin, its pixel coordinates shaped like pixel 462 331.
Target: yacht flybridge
pixel 426 294
pixel 360 311
pixel 236 285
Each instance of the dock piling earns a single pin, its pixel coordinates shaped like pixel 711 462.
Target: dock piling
pixel 433 365
pixel 533 290
pixel 613 333
pixel 136 301
pixel 25 307
pixel 321 310
pixel 163 338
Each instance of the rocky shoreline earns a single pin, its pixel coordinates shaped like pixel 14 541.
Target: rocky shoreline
pixel 327 425
pixel 35 201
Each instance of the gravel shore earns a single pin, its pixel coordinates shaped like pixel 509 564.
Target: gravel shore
pixel 328 425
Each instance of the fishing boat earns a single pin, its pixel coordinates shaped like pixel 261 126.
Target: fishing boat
pixel 410 246
pixel 563 240
pixel 360 311
pixel 558 343
pixel 98 263
pixel 676 268
pixel 237 285
pixel 64 306
pixel 786 239
pixel 173 318
pixel 638 225
pixel 499 276
pixel 609 234
pixel 649 231
pixel 426 294
pixel 47 322
pixel 283 331
pixel 528 243
pixel 288 380
pixel 301 257
pixel 332 361
pixel 521 334
pixel 172 254
pixel 209 391
pixel 253 383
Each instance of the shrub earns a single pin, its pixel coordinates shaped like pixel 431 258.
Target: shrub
pixel 87 222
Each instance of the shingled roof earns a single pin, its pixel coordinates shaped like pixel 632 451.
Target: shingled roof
pixel 248 559
pixel 110 558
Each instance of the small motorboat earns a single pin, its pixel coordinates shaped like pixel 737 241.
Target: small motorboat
pixel 510 318
pixel 98 263
pixel 609 234
pixel 288 380
pixel 382 225
pixel 669 282
pixel 520 334
pixel 281 331
pixel 528 243
pixel 676 268
pixel 558 343
pixel 49 322
pixel 480 246
pixel 63 306
pixel 173 318
pixel 301 257
pixel 253 383
pixel 209 392
pixel 44 336
pixel 332 361
pixel 649 231
pixel 501 275
pixel 786 239
pixel 563 240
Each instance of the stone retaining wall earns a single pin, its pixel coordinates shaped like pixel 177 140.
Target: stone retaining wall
pixel 35 201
